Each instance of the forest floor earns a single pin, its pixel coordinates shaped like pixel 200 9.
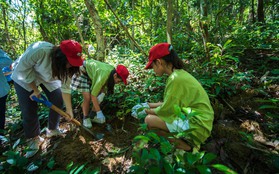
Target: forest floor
pixel 113 153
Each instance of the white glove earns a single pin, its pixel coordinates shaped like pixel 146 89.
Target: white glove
pixel 100 118
pixel 138 111
pixel 101 97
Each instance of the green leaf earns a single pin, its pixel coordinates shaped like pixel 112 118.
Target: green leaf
pixel 50 164
pixel 204 169
pixel 69 166
pixel 273 100
pixel 165 147
pixel 79 169
pixel 274 58
pixel 217 90
pixel 11 161
pixel 21 161
pixel 58 172
pixel 168 168
pixel 154 136
pixel 141 138
pixel 154 170
pixel 208 157
pixel 10 153
pixel 154 154
pixel 16 143
pixel 193 158
pixel 275 71
pixel 268 107
pixel 144 155
pixel 73 170
pixel 224 169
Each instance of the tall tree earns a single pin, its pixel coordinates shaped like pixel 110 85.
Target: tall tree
pixel 260 11
pixel 6 29
pixel 169 21
pixel 252 11
pixel 100 52
pixel 204 26
pixel 77 24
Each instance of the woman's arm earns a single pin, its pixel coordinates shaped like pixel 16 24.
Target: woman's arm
pixel 35 89
pixel 67 98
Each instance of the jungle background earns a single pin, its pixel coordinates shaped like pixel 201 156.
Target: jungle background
pixel 230 46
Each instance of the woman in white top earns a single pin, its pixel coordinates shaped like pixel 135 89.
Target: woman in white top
pixel 46 65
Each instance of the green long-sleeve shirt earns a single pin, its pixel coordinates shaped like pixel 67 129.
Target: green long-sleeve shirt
pixel 184 90
pixel 99 73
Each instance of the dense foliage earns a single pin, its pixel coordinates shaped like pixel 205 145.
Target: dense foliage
pixel 211 37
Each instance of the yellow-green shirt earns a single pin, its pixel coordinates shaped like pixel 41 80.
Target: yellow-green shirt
pixel 184 90
pixel 99 73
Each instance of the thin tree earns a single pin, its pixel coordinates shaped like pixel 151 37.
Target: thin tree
pixel 3 6
pixel 260 11
pixel 100 52
pixel 252 12
pixel 169 21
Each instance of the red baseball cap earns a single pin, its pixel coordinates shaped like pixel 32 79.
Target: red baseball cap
pixel 157 52
pixel 123 72
pixel 73 51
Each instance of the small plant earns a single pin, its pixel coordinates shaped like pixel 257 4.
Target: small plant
pixel 12 161
pixel 155 154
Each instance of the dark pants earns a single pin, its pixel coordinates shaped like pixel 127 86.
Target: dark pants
pixel 31 124
pixel 2 111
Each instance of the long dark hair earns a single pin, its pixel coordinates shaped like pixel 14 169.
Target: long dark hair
pixel 174 60
pixel 59 63
pixel 110 82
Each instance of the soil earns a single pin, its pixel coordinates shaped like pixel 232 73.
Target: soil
pixel 233 115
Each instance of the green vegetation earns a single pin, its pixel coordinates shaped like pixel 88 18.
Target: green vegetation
pixel 229 46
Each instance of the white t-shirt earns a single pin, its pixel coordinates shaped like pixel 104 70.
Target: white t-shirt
pixel 35 65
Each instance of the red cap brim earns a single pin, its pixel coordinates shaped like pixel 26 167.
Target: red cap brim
pixel 125 81
pixel 148 66
pixel 75 61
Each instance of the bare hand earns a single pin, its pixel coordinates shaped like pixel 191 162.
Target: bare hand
pixel 36 94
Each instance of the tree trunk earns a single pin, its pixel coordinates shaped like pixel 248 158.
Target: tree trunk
pixel 252 12
pixel 100 52
pixel 133 26
pixel 204 27
pixel 241 11
pixel 40 21
pixel 125 29
pixel 261 11
pixel 78 26
pixel 7 28
pixel 23 24
pixel 169 21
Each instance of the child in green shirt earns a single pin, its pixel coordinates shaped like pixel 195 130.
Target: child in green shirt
pixel 97 76
pixel 183 90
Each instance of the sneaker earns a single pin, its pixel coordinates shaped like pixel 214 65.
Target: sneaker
pixel 99 120
pixel 53 133
pixel 34 146
pixel 87 123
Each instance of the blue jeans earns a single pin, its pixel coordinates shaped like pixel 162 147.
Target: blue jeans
pixel 31 124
